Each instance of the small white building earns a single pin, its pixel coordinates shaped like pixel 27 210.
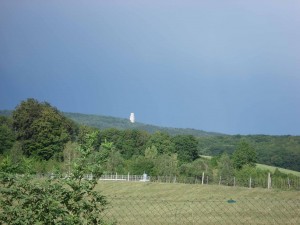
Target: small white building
pixel 132 118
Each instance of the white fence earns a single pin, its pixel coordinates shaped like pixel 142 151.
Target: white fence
pixel 127 177
pixel 251 182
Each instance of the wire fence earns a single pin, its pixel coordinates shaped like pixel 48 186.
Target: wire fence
pixel 145 210
pixel 251 182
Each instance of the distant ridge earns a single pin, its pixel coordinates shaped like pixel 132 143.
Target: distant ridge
pixel 104 122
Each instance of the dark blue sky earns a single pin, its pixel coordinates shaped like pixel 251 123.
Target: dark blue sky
pixel 223 66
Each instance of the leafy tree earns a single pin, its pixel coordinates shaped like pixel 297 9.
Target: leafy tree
pixel 83 131
pixel 128 142
pixel 16 153
pixel 196 168
pixel 245 154
pixel 225 169
pixel 141 164
pixel 110 158
pixel 186 147
pixel 105 150
pixel 243 175
pixel 7 136
pixel 162 141
pixel 42 129
pixel 132 142
pixel 151 152
pixel 166 165
pixel 24 200
pixel 115 162
pixel 70 154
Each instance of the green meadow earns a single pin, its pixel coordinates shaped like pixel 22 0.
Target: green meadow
pixel 163 203
pixel 273 168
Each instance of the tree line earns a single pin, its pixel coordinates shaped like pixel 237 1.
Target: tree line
pixel 41 139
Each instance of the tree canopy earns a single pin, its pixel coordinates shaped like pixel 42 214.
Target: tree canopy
pixel 245 154
pixel 41 129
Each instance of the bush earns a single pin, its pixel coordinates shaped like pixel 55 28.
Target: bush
pixel 24 200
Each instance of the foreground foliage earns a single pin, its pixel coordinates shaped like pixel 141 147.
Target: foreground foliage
pixel 72 200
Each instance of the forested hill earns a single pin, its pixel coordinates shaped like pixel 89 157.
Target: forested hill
pixel 103 122
pixel 280 151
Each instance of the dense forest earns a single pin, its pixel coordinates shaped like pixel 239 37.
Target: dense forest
pixel 42 139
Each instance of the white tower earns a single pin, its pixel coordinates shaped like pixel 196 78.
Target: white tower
pixel 131 118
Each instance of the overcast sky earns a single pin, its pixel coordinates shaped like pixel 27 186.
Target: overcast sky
pixel 223 66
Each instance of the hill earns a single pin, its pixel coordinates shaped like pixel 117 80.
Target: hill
pixel 103 122
pixel 278 151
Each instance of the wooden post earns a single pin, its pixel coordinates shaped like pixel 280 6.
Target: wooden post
pixel 220 180
pixel 269 181
pixel 234 181
pixel 250 182
pixel 289 184
pixel 202 178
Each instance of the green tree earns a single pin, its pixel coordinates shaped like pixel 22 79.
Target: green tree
pixel 70 154
pixel 162 141
pixel 24 200
pixel 41 129
pixel 225 169
pixel 128 142
pixel 151 152
pixel 186 146
pixel 166 165
pixel 7 136
pixel 245 154
pixel 110 158
pixel 196 168
pixel 140 164
pixel 115 162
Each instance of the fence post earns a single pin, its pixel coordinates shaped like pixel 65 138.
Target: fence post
pixel 250 182
pixel 289 184
pixel 220 180
pixel 202 178
pixel 233 181
pixel 269 181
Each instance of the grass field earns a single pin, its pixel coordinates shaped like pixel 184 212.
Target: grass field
pixel 162 203
pixel 266 167
pixel 273 168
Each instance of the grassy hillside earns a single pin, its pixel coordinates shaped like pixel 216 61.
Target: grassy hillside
pixel 266 167
pixel 103 122
pixel 273 168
